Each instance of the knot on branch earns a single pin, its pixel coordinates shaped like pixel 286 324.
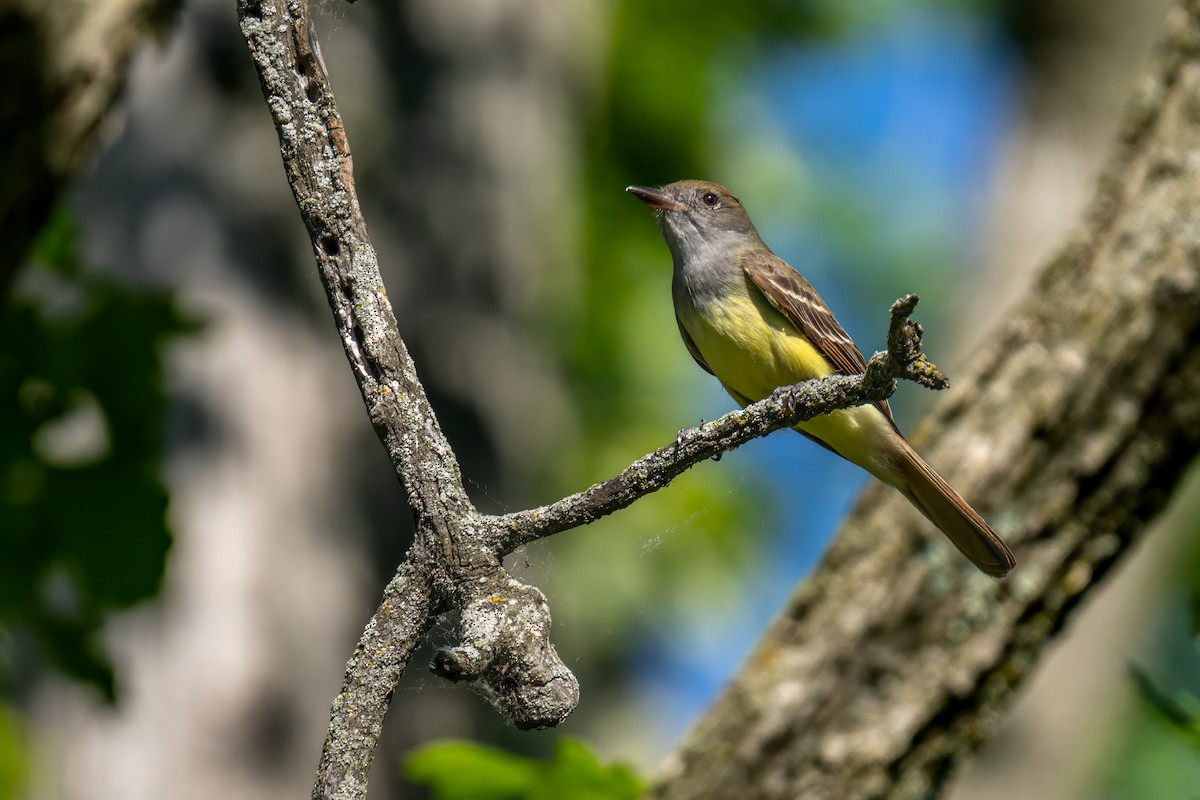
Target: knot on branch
pixel 904 358
pixel 507 657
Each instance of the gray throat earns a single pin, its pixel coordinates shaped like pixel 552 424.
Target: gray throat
pixel 705 267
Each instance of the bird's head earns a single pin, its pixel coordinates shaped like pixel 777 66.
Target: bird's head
pixel 698 215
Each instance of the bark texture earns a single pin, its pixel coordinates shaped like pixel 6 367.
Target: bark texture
pixel 893 662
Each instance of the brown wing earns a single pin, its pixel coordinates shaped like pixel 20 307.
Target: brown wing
pixel 797 300
pixel 691 347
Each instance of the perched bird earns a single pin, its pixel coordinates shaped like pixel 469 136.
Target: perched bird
pixel 751 320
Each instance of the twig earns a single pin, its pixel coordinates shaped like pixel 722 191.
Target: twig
pixel 785 407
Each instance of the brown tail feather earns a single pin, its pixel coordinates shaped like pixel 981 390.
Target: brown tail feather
pixel 934 498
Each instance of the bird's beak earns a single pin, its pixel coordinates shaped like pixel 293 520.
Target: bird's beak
pixel 656 199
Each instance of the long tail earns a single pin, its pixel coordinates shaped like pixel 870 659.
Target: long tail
pixel 934 498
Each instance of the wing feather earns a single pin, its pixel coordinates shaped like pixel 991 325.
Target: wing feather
pixel 798 301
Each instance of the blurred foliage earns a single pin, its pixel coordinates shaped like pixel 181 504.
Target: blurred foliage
pixel 1181 712
pixel 1151 749
pixel 83 530
pixel 465 771
pixel 14 756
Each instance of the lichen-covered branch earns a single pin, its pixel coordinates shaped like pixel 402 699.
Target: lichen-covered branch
pixel 317 161
pixel 785 407
pixel 319 167
pixel 395 630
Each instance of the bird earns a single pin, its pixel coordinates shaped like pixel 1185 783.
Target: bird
pixel 751 320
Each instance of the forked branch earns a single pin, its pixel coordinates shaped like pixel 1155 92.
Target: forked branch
pixel 455 562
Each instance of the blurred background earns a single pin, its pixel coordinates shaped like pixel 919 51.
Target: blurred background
pixel 195 515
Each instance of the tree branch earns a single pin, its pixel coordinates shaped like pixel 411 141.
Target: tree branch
pixel 317 161
pixel 396 629
pixel 786 407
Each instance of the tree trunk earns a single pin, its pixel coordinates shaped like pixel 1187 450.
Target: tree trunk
pixel 1076 422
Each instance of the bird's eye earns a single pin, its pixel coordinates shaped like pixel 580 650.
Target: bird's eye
pixel 710 200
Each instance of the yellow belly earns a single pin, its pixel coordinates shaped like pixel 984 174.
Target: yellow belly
pixel 753 349
pixel 750 346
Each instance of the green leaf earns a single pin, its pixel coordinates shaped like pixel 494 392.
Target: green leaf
pixel 83 529
pixel 54 247
pixel 466 771
pixel 575 774
pixel 1183 714
pixel 14 755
